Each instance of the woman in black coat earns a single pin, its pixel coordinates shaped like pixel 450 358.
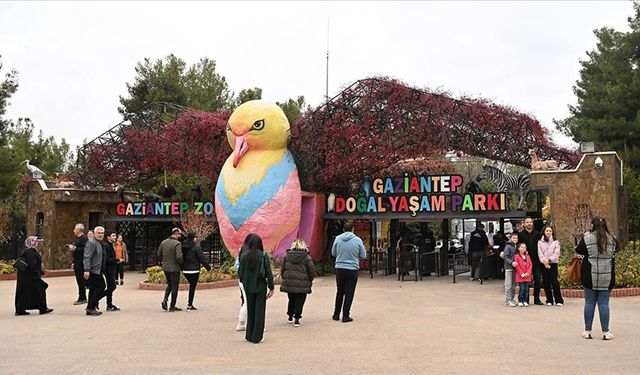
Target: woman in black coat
pixel 297 273
pixel 30 288
pixel 193 258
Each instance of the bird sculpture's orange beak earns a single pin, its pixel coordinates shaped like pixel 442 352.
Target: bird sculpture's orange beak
pixel 240 149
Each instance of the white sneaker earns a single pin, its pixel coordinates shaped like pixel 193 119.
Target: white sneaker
pixel 607 335
pixel 240 327
pixel 520 304
pixel 510 304
pixel 526 304
pixel 559 304
pixel 549 304
pixel 586 335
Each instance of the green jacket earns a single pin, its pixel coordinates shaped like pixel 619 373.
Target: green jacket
pixel 249 277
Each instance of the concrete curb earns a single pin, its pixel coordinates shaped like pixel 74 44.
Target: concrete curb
pixel 144 285
pixel 579 293
pixel 47 273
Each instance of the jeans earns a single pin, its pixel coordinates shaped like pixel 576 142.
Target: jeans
pixel 346 281
pixel 551 284
pixel 601 298
pixel 111 287
pixel 192 278
pixel 509 285
pixel 173 282
pixel 296 303
pixel 476 258
pixel 523 294
pixel 96 290
pixel 78 270
pixel 120 273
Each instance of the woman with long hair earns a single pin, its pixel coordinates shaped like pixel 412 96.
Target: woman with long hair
pixel 30 288
pixel 598 274
pixel 255 274
pixel 549 253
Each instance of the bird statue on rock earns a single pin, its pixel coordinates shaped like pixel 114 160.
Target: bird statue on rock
pixel 258 190
pixel 36 173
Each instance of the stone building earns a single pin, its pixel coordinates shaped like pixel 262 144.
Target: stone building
pixel 52 213
pixel 594 187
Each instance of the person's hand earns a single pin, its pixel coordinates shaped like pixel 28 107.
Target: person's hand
pixel 72 247
pixel 270 293
pixel 86 275
pixel 514 264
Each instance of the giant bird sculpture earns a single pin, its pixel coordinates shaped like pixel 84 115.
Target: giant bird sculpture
pixel 36 173
pixel 258 190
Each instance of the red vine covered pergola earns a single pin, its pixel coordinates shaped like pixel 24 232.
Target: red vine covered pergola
pixel 363 131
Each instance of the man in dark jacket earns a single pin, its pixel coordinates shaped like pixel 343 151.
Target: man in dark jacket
pixel 297 273
pixel 193 258
pixel 478 242
pixel 171 252
pixel 530 237
pixel 77 249
pixel 111 268
pixel 94 265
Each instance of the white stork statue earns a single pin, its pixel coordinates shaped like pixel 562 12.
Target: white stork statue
pixel 36 173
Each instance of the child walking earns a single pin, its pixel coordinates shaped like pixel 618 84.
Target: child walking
pixel 523 266
pixel 509 272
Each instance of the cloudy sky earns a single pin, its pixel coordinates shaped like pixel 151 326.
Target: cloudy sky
pixel 74 58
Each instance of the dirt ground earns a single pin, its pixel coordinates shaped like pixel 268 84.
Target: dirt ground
pixel 425 327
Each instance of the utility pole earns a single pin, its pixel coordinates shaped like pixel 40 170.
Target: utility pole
pixel 326 87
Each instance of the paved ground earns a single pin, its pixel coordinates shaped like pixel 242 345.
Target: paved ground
pixel 433 326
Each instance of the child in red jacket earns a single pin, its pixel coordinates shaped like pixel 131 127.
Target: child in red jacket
pixel 523 266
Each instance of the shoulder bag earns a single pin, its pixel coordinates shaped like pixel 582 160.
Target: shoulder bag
pixel 574 269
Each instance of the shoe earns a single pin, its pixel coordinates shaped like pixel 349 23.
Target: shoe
pixel 335 317
pixel 586 335
pixel 121 282
pixel 520 304
pixel 607 336
pixel 526 304
pixel 240 327
pixel 172 309
pixel 511 304
pixel 97 308
pixel 560 304
pixel 80 302
pixel 164 305
pixel 23 313
pixel 42 312
pixel 347 319
pixel 262 338
pixel 113 308
pixel 93 312
pixel 296 323
pixel 290 319
pixel 538 302
pixel 191 308
pixel 549 304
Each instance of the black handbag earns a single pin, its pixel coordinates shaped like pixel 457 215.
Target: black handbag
pixel 20 264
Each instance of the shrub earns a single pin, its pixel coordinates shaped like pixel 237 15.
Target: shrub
pixel 6 267
pixel 155 275
pixel 627 267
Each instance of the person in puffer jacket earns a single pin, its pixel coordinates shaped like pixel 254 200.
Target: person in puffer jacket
pixel 549 253
pixel 298 272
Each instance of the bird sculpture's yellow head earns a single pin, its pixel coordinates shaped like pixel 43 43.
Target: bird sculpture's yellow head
pixel 257 125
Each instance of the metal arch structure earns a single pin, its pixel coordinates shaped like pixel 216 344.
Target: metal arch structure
pixel 376 122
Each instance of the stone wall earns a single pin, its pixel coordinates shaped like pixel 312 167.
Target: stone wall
pixel 62 209
pixel 597 190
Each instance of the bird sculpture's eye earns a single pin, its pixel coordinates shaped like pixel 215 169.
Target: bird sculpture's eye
pixel 228 127
pixel 258 125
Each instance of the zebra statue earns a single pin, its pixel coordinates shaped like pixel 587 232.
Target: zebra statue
pixel 519 183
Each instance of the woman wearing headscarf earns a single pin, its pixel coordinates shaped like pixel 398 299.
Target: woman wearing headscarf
pixel 598 274
pixel 30 288
pixel 255 274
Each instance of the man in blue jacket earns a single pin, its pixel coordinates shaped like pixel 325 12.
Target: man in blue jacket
pixel 348 250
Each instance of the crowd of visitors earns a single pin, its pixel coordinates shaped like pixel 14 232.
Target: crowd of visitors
pixel 530 257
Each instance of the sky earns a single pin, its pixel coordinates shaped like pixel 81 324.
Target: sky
pixel 75 58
